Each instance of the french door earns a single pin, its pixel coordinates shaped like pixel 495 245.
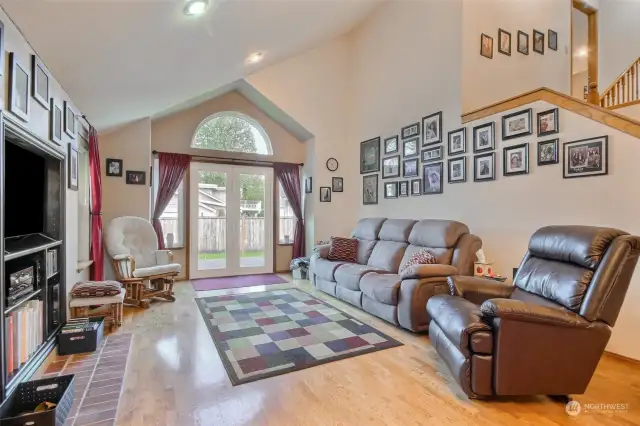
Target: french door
pixel 231 220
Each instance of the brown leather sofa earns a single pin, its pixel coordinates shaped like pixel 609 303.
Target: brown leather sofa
pixel 547 332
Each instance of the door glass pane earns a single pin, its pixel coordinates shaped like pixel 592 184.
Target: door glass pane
pixel 212 220
pixel 252 220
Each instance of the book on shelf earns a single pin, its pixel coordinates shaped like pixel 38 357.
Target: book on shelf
pixel 24 333
pixel 52 262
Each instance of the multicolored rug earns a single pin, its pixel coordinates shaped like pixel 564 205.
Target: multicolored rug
pixel 265 334
pixel 205 284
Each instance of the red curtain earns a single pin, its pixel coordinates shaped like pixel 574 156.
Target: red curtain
pixel 289 177
pixel 171 170
pixel 97 255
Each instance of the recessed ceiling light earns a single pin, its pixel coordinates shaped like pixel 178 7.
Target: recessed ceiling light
pixel 195 7
pixel 254 58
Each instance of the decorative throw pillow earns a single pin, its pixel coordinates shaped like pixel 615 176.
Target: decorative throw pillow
pixel 421 257
pixel 96 289
pixel 344 249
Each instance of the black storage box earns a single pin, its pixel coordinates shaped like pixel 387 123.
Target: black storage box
pixel 28 395
pixel 82 341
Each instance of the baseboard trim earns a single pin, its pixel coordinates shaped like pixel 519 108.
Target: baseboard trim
pixel 623 358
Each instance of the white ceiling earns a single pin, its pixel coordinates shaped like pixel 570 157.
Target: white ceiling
pixel 124 60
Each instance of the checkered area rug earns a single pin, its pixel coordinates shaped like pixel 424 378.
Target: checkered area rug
pixel 260 335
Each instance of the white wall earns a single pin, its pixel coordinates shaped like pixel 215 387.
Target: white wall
pixel 619 38
pixel 486 81
pixel 632 111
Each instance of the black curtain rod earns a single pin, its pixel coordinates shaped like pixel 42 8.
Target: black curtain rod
pixel 85 119
pixel 155 153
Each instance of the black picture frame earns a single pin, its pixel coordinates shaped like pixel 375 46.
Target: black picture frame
pixel 73 167
pixel 502 32
pixel 522 43
pixel 388 142
pixel 506 158
pixel 136 177
pixel 538 47
pixel 325 194
pixel 308 185
pixel 385 175
pixel 476 177
pixel 394 187
pixel 556 121
pixel 410 161
pixel 552 38
pixel 427 138
pixel 116 170
pixel 40 79
pixel 69 120
pixel 55 122
pixel 425 155
pixel 403 186
pixel 408 142
pixel 602 167
pixel 552 156
pixel 527 114
pixel 428 186
pixel 410 131
pixel 462 132
pixel 337 184
pixel 2 64
pixel 18 76
pixel 416 183
pixel 374 145
pixel 486 50
pixel 370 189
pixel 450 163
pixel 491 138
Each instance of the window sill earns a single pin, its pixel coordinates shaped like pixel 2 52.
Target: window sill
pixel 83 264
pixel 285 244
pixel 174 248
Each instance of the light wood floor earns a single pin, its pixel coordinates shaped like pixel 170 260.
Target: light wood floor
pixel 175 377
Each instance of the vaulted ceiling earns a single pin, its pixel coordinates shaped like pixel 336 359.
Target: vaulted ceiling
pixel 124 60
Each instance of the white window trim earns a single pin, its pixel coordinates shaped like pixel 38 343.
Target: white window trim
pixel 252 121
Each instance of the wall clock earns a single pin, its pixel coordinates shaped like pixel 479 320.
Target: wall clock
pixel 332 164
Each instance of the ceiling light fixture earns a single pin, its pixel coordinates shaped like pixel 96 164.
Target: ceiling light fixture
pixel 195 7
pixel 582 52
pixel 254 58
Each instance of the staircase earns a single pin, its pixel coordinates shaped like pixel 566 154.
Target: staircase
pixel 624 91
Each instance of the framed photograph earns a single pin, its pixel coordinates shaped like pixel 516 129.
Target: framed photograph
pixel 391 145
pixel 308 185
pixel 403 188
pixel 410 147
pixel 18 88
pixel 370 156
pixel 370 189
pixel 114 167
pixel 325 194
pixel 410 131
pixel 484 167
pixel 432 129
pixel 517 124
pixel 391 167
pixel 458 141
pixel 523 43
pixel 40 82
pixel 486 46
pixel 73 168
pixel 548 123
pixel 416 187
pixel 432 154
pixel 586 157
pixel 391 190
pixel 504 42
pixel 432 178
pixel 515 160
pixel 538 42
pixel 457 170
pixel 1 48
pixel 337 184
pixel 69 120
pixel 553 39
pixel 135 178
pixel 484 137
pixel 548 152
pixel 410 168
pixel 55 122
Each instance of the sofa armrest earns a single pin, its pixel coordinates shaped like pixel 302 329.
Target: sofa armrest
pixel 517 310
pixel 322 250
pixel 164 257
pixel 477 290
pixel 426 271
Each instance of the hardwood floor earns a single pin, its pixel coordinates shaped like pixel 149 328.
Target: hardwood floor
pixel 175 377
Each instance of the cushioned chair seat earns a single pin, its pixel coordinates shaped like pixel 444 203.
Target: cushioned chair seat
pixel 324 268
pixel 155 270
pixel 381 287
pixel 348 275
pixel 95 301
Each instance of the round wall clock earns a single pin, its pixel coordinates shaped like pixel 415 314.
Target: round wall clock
pixel 332 164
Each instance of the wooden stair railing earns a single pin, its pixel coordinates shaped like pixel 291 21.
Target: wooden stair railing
pixel 624 90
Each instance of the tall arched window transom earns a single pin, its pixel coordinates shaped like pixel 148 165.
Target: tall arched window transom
pixel 232 132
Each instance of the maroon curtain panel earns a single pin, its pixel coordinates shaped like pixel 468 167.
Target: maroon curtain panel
pixel 97 254
pixel 171 170
pixel 289 177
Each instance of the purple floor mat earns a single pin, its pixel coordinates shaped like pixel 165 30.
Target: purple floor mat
pixel 205 284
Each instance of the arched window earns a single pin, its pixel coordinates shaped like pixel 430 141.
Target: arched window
pixel 233 132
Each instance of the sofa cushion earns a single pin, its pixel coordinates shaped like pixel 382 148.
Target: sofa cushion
pixel 437 233
pixel 387 255
pixel 442 255
pixel 343 249
pixel 368 228
pixel 349 275
pixel 365 248
pixel 396 230
pixel 421 257
pixel 324 268
pixel 381 287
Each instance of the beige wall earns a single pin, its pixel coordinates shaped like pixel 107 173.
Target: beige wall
pixel 578 81
pixel 619 38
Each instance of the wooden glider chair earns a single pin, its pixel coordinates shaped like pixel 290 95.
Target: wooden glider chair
pixel 143 270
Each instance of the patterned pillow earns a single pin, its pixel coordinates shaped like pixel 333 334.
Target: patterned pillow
pixel 96 289
pixel 421 257
pixel 344 249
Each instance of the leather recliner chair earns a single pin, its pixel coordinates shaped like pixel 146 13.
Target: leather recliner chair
pixel 546 333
